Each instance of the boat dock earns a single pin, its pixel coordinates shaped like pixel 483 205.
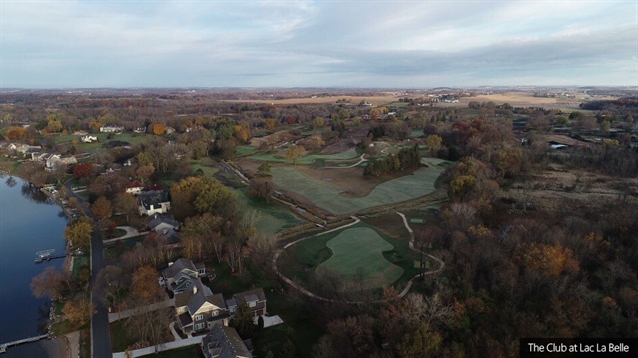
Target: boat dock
pixel 4 346
pixel 45 256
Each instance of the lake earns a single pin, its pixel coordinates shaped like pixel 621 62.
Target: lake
pixel 29 222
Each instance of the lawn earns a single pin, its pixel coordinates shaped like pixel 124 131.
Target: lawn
pixel 78 263
pixel 327 196
pixel 206 164
pixel 272 217
pixel 193 351
pixel 357 253
pixel 244 149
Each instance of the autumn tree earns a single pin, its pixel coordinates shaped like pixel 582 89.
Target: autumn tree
pixel 353 335
pixel 433 142
pixel 270 123
pixel 158 128
pixel 419 341
pixel 102 208
pixel 145 288
pixel 82 170
pixel 79 310
pixel 318 122
pixel 295 152
pixel 48 283
pixel 315 142
pixel 144 172
pixel 15 133
pixel 78 233
pixel 199 195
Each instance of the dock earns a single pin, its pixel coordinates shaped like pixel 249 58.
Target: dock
pixel 45 256
pixel 4 346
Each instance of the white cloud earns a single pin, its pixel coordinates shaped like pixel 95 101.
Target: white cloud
pixel 316 43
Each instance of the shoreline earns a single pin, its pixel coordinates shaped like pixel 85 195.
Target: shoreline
pixel 55 346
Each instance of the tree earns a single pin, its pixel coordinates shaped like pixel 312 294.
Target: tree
pixel 144 286
pixel 419 341
pixel 125 204
pixel 79 310
pixel 47 284
pixel 144 172
pixel 315 142
pixel 15 133
pixel 82 170
pixel 199 195
pixel 78 233
pixel 261 188
pixel 433 142
pixel 264 169
pixel 158 128
pixel 112 280
pixel 295 152
pixel 243 321
pixel 270 123
pixel 318 122
pixel 102 208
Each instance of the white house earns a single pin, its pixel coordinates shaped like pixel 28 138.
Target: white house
pixel 111 129
pixel 88 139
pixel 154 202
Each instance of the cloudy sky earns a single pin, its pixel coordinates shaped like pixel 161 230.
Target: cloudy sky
pixel 351 43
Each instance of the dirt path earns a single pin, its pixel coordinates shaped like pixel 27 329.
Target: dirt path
pixel 361 160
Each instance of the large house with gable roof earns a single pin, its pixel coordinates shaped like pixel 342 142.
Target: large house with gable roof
pixel 197 308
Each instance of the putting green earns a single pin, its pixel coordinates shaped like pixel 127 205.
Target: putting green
pixel 357 253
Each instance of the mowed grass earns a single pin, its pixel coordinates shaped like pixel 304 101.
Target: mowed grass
pixel 357 253
pixel 326 195
pixel 271 217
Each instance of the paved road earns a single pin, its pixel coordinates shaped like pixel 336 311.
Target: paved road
pixel 100 335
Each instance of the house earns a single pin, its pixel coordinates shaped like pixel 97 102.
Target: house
pixel 224 342
pixel 197 308
pixel 134 187
pixel 88 139
pixel 55 161
pixel 255 299
pixel 167 226
pixel 154 202
pixel 163 223
pixel 141 129
pixel 111 129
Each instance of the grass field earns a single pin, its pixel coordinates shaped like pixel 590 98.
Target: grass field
pixel 357 253
pixel 308 159
pixel 271 217
pixel 326 195
pixel 102 138
pixel 206 165
pixel 396 260
pixel 244 149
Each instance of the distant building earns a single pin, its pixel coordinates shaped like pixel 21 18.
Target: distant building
pixel 134 187
pixel 88 139
pixel 111 129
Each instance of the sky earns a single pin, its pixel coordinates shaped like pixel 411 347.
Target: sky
pixel 305 43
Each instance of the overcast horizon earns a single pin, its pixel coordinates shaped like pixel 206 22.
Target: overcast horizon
pixel 317 44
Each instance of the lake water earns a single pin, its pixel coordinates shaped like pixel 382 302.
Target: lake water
pixel 29 222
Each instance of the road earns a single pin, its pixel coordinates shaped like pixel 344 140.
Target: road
pixel 100 335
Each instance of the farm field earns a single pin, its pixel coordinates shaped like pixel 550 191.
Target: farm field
pixel 354 100
pixel 271 218
pixel 357 253
pixel 329 196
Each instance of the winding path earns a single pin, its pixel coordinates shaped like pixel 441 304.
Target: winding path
pixel 361 160
pixel 356 221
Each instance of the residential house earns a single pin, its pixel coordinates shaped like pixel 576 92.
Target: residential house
pixel 134 187
pixel 167 226
pixel 196 306
pixel 141 129
pixel 111 129
pixel 88 139
pixel 224 342
pixel 154 202
pixel 55 161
